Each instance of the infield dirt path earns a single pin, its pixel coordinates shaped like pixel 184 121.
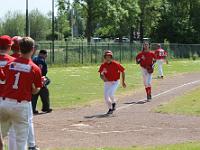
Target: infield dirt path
pixel 132 124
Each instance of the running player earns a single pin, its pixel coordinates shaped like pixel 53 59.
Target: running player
pixel 22 78
pixel 146 59
pixel 110 72
pixel 161 56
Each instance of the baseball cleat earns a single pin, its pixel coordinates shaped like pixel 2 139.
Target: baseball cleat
pixel 114 106
pixel 35 112
pixel 149 97
pixel 47 111
pixel 162 77
pixel 110 111
pixel 34 148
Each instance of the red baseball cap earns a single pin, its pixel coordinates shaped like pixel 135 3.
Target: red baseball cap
pixel 5 40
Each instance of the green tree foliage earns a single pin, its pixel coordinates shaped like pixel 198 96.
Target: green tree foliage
pixel 63 24
pixel 40 25
pixel 13 24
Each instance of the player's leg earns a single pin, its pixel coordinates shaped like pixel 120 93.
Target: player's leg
pixel 31 135
pixel 113 89
pixel 34 103
pixel 149 89
pixel 160 68
pixel 44 94
pixel 144 76
pixel 1 139
pixel 12 139
pixel 20 121
pixel 107 86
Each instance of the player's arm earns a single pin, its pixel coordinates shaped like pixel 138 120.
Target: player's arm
pixel 102 76
pixel 2 74
pixel 35 90
pixel 123 79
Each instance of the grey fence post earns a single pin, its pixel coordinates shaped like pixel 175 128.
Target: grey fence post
pixel 82 53
pixel 66 52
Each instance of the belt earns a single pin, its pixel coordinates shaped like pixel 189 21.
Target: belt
pixel 14 100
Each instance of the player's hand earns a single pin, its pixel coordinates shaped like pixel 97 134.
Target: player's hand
pixel 124 84
pixel 105 79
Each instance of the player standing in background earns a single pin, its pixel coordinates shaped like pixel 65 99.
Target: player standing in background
pixel 15 47
pixel 161 56
pixel 23 78
pixel 110 72
pixel 146 59
pixel 5 46
pixel 31 136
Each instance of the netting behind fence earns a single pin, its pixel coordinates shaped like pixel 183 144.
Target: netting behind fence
pixel 82 53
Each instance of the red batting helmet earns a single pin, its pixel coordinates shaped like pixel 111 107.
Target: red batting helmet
pixel 108 53
pixel 16 40
pixel 5 41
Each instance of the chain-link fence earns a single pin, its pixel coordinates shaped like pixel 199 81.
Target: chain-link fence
pixel 82 53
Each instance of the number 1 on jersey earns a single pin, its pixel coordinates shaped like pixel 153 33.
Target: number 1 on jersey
pixel 15 85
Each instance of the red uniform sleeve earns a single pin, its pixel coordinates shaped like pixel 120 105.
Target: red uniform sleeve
pixel 37 78
pixel 121 68
pixel 138 58
pixel 101 68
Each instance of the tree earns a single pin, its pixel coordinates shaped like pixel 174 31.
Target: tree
pixel 13 24
pixel 63 24
pixel 40 25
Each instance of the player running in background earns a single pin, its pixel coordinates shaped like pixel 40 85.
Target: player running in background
pixel 161 56
pixel 110 72
pixel 146 59
pixel 23 78
pixel 15 46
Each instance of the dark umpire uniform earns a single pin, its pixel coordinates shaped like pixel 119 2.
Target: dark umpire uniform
pixel 44 92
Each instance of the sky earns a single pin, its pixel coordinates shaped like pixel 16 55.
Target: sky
pixel 11 5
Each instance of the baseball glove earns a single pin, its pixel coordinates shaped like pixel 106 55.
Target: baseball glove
pixel 150 69
pixel 46 81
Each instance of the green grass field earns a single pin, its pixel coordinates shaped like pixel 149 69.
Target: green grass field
pixel 188 104
pixel 75 86
pixel 185 146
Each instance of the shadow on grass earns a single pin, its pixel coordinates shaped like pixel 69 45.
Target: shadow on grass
pixel 97 116
pixel 137 103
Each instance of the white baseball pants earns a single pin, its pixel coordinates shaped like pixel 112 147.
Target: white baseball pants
pixel 15 114
pixel 160 67
pixel 109 92
pixel 147 77
pixel 31 136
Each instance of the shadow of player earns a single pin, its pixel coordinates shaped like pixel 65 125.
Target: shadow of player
pixel 137 103
pixel 98 116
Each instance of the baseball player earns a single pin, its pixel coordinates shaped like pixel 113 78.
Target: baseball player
pixel 110 72
pixel 15 46
pixel 5 46
pixel 12 137
pixel 22 79
pixel 161 56
pixel 146 59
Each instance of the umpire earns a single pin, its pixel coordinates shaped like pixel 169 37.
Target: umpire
pixel 40 61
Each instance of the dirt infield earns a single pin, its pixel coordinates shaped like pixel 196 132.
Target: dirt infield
pixel 133 124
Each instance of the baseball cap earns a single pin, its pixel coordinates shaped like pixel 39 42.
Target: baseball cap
pixel 5 40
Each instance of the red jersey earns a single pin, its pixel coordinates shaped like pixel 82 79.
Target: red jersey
pixel 111 70
pixel 160 54
pixel 4 60
pixel 20 75
pixel 16 55
pixel 146 59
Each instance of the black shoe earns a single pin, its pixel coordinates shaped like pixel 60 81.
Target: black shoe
pixel 34 148
pixel 149 97
pixel 114 106
pixel 110 111
pixel 47 110
pixel 162 77
pixel 35 112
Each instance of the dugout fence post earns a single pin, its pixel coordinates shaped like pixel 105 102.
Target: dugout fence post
pixel 50 47
pixel 66 51
pixel 79 51
pixel 95 47
pixel 82 51
pixel 90 50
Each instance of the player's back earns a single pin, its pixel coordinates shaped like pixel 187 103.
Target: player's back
pixel 20 75
pixel 4 60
